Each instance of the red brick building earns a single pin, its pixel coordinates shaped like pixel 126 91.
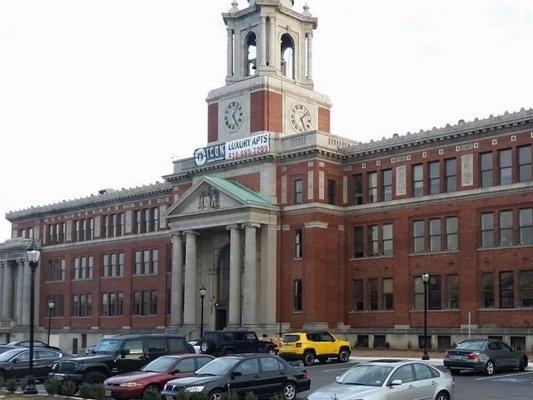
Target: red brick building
pixel 288 226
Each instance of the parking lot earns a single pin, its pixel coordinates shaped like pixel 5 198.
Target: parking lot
pixel 469 386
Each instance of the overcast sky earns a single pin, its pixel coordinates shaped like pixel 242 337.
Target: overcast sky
pixel 102 93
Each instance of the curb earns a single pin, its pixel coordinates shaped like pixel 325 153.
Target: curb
pixel 432 361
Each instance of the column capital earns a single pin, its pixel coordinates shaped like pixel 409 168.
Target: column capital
pixel 191 233
pixel 176 235
pixel 233 227
pixel 251 225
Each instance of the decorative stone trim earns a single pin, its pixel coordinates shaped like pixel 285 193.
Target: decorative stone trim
pixel 316 224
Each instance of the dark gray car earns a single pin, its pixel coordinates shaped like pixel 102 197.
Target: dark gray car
pixel 486 356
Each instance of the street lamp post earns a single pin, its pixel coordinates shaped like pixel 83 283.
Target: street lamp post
pixel 203 291
pixel 34 254
pixel 51 306
pixel 425 280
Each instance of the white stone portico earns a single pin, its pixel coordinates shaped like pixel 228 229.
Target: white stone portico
pixel 223 238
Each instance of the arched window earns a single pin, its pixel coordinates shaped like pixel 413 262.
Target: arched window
pixel 251 54
pixel 287 56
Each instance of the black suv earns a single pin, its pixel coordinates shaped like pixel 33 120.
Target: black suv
pixel 118 354
pixel 222 343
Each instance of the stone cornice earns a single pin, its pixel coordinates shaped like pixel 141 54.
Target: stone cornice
pixel 110 197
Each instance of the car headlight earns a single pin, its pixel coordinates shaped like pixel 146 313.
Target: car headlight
pixel 194 389
pixel 129 384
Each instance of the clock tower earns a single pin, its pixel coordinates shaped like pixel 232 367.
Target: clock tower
pixel 269 82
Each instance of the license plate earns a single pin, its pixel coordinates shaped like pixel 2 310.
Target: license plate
pixel 58 377
pixel 108 393
pixel 456 357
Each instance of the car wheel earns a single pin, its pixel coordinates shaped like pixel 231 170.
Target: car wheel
pixel 442 396
pixel 215 395
pixel 309 358
pixel 454 371
pixel 271 350
pixel 146 394
pixel 289 391
pixel 344 356
pixel 523 364
pixel 489 368
pixel 93 377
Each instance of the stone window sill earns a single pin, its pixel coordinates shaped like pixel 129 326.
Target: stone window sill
pixel 454 310
pixel 434 253
pixel 518 246
pixel 372 312
pixel 370 258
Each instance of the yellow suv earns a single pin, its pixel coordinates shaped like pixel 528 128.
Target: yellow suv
pixel 311 346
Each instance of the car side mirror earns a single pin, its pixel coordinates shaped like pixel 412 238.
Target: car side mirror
pixel 396 382
pixel 175 371
pixel 235 374
pixel 337 379
pixel 125 353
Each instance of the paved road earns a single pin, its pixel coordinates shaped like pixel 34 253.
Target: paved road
pixel 469 386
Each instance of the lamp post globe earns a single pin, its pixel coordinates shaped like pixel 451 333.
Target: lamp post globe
pixel 33 252
pixel 203 292
pixel 51 306
pixel 425 280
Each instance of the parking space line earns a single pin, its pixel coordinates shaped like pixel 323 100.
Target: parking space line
pixel 503 376
pixel 336 369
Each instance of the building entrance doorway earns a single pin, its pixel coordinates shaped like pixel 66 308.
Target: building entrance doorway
pixel 222 303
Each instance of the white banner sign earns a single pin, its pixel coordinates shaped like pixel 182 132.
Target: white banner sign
pixel 247 147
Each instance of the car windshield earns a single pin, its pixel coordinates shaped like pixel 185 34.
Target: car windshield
pixel 107 346
pixel 161 364
pixel 7 355
pixel 365 375
pixel 290 338
pixel 219 366
pixel 471 345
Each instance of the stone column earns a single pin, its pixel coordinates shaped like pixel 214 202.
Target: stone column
pixel 230 52
pixel 7 292
pixel 263 42
pixel 234 318
pixel 309 56
pixel 250 275
pixel 20 289
pixel 189 314
pixel 2 267
pixel 26 293
pixel 273 42
pixel 268 274
pixel 176 280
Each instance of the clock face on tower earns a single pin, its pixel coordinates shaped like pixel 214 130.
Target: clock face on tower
pixel 233 116
pixel 301 118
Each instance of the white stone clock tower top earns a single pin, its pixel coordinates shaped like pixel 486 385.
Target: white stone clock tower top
pixel 270 38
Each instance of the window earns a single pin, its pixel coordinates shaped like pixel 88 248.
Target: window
pixel 248 367
pixel 486 169
pixel 404 374
pixel 137 305
pixel 134 347
pixel 506 167
pixel 387 241
pixel 186 365
pixel 487 290
pixel 153 302
pixel 56 270
pixel 112 304
pixel 506 228
pixel 120 224
pixel 506 290
pixel 386 179
pixel 358 189
pixel 434 177
pixel 83 268
pixel 526 226
pixel 418 180
pixel 452 291
pixel 59 305
pixel 113 265
pixel 419 293
pixel 452 239
pixel 138 222
pixel 372 187
pixel 418 237
pixel 358 233
pixel 297 304
pixel 422 372
pixel 298 243
pixel 269 364
pixel 373 242
pixel 298 191
pixel 372 294
pixel 332 190
pixel 435 235
pixel 357 295
pixel 487 230
pixel 451 175
pixel 524 164
pixel 287 56
pixel 526 288
pixel 145 303
pixel 82 305
pixel 251 54
pixel 146 262
pixel 434 293
pixel 387 294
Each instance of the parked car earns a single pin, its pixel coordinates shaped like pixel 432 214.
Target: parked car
pixel 221 343
pixel 5 347
pixel 117 355
pixel 154 375
pixel 389 379
pixel 14 363
pixel 262 374
pixel 486 356
pixel 309 346
pixel 196 344
pixel 36 343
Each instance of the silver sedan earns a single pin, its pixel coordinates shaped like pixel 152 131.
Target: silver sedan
pixel 389 380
